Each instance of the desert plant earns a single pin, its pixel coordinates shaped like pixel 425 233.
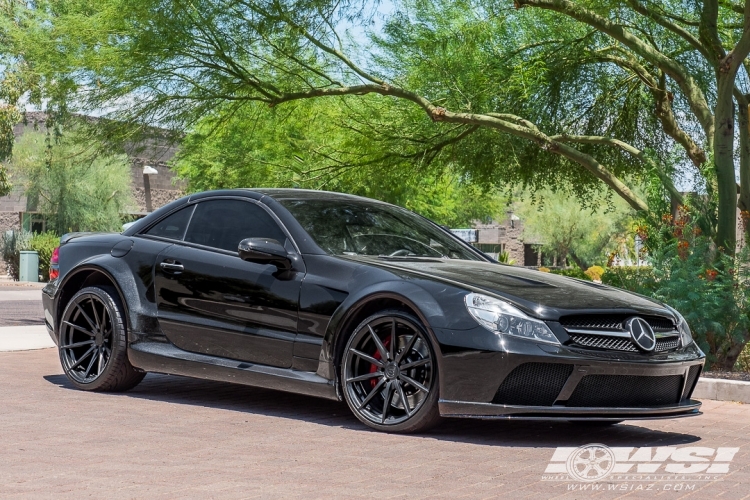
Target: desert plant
pixel 12 243
pixel 71 183
pixel 504 257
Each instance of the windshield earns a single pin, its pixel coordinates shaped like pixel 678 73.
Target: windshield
pixel 350 228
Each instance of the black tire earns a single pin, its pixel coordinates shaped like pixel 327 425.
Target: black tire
pixel 92 342
pixel 408 380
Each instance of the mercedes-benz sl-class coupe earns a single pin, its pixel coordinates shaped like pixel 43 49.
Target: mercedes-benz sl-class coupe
pixel 352 299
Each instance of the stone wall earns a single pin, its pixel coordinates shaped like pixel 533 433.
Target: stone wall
pixel 508 233
pixel 159 197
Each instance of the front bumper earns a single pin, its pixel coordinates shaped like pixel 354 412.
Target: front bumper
pixel 517 378
pixel 463 409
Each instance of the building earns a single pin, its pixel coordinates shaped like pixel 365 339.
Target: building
pixel 155 151
pixel 508 236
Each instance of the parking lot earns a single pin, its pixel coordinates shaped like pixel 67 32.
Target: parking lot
pixel 174 437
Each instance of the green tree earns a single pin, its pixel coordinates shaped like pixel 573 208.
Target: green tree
pixel 317 145
pixel 557 92
pixel 75 189
pixel 584 235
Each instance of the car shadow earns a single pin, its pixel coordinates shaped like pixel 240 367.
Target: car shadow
pixel 517 433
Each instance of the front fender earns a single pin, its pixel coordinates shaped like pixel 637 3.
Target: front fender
pixel 414 296
pixel 140 312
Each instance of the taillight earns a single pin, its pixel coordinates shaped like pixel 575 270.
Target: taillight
pixel 54 267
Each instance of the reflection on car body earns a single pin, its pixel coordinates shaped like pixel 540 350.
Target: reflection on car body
pixel 348 298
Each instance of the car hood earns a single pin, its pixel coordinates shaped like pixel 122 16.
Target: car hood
pixel 544 295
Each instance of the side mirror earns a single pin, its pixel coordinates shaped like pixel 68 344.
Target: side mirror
pixel 265 251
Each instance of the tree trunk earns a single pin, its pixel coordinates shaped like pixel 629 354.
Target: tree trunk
pixel 580 263
pixel 726 361
pixel 726 236
pixel 743 103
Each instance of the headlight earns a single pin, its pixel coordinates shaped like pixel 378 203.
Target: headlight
pixel 501 317
pixel 686 338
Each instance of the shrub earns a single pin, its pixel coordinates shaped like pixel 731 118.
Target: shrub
pixel 573 272
pixel 43 244
pixel 595 273
pixel 504 257
pixel 12 243
pixel 635 279
pixel 711 291
pixel 544 269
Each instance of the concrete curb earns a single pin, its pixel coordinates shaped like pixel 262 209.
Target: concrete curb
pixel 722 390
pixel 24 338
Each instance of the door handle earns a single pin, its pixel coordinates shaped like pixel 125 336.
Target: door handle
pixel 174 267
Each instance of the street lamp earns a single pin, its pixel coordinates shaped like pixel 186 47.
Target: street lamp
pixel 148 170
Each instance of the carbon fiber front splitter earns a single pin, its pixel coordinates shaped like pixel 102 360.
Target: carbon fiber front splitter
pixel 465 409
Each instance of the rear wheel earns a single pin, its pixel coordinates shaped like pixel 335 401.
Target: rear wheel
pixel 93 342
pixel 389 374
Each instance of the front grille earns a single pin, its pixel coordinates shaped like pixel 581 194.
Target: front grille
pixel 692 378
pixel 604 342
pixel 626 391
pixel 533 384
pixel 621 343
pixel 614 322
pixel 667 344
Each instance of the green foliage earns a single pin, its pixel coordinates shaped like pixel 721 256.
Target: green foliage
pixel 76 188
pixel 504 257
pixel 572 272
pixel 636 279
pixel 43 244
pixel 558 221
pixel 12 243
pixel 711 291
pixel 313 145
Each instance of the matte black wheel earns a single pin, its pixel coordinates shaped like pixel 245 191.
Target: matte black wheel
pixel 389 374
pixel 92 342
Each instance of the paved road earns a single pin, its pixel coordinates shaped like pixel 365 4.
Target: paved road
pixel 173 437
pixel 20 306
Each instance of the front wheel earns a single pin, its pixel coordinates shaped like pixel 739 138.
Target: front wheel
pixel 93 342
pixel 389 374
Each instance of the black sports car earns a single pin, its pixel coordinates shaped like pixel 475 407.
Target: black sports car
pixel 348 298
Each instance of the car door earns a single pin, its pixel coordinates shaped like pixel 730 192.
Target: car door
pixel 212 302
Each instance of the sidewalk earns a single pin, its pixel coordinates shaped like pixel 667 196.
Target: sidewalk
pixel 17 331
pixel 24 338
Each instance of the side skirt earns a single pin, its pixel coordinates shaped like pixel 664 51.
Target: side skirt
pixel 166 358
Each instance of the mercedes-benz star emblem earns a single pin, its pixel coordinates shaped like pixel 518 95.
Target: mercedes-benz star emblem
pixel 641 333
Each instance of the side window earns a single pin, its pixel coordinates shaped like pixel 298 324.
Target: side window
pixel 224 223
pixel 174 226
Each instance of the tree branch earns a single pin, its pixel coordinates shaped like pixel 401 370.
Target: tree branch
pixel 631 150
pixel 439 114
pixel 674 28
pixel 691 89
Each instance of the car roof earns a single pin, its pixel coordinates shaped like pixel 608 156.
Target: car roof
pixel 309 194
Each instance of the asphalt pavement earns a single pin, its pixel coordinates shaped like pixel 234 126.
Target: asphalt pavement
pixel 175 437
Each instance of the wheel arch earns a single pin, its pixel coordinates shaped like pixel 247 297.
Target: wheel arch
pixel 85 276
pixel 408 298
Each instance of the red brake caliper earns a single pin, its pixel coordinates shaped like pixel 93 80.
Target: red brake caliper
pixel 374 368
